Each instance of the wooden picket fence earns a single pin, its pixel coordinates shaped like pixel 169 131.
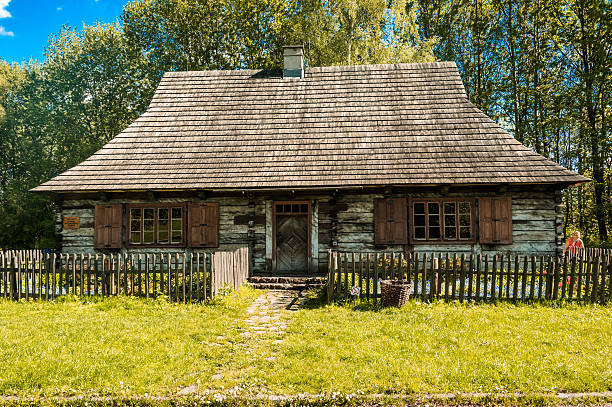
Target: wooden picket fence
pixel 181 277
pixel 465 278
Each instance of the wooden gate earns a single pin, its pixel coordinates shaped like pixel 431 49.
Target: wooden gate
pixel 292 237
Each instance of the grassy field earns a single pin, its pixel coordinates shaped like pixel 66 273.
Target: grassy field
pixel 132 347
pixel 439 348
pixel 117 346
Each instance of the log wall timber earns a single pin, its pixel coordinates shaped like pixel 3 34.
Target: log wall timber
pixel 233 233
pixel 341 220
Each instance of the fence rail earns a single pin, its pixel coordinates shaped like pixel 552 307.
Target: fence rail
pixel 472 278
pixel 180 276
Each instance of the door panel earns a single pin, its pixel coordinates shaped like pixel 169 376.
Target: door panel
pixel 292 244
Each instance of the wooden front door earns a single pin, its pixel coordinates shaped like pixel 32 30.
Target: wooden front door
pixel 292 238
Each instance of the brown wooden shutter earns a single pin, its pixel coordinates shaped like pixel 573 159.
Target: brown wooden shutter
pixel 495 220
pixel 108 222
pixel 203 224
pixel 195 229
pixel 398 221
pixel 380 221
pixel 390 221
pixel 485 220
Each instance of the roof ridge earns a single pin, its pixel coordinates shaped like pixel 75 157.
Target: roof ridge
pixel 312 69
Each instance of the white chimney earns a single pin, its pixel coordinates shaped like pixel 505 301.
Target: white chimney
pixel 294 61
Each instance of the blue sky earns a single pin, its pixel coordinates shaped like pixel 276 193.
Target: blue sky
pixel 25 25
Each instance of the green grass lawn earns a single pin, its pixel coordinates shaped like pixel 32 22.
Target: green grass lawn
pixel 115 346
pixel 132 347
pixel 437 348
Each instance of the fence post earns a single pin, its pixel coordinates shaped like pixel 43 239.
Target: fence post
pixel 493 278
pixel 424 279
pixel 330 278
pixel 515 286
pixel 462 278
pixel 595 288
pixel 436 276
pixel 587 279
pixel 433 278
pixel 470 276
pixel 375 285
pixel 564 276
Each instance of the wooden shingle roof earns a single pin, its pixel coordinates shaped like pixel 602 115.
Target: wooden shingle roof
pixel 340 126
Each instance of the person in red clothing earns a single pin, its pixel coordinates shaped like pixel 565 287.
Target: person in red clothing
pixel 573 243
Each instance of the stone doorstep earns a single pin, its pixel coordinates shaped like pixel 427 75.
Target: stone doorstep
pixel 287 283
pixel 288 280
pixel 278 286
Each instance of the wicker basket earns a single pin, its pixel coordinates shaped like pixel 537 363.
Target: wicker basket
pixel 395 292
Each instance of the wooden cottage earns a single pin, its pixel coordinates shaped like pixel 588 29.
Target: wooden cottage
pixel 297 161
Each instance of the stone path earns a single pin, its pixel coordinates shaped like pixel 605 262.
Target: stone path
pixel 267 313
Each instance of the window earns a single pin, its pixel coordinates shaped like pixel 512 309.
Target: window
pixel 291 208
pixel 156 225
pixel 446 220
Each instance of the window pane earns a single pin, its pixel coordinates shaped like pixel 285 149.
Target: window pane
pixel 450 220
pixel 419 232
pixel 295 208
pixel 162 226
pixel 177 230
pixel 434 233
pixel 135 224
pixel 450 233
pixel 135 218
pixel 177 213
pixel 449 207
pixel 434 220
pixel 148 225
pixel 464 233
pixel 464 219
pixel 177 225
pixel 464 207
pixel 419 207
pixel 279 208
pixel 135 237
pixel 419 220
pixel 147 237
pixel 433 207
pixel 305 208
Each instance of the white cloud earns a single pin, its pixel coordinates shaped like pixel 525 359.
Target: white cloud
pixel 4 33
pixel 4 13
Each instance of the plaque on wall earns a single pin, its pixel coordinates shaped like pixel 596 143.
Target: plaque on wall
pixel 72 222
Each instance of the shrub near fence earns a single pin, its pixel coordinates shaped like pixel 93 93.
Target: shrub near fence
pixel 183 277
pixel 472 278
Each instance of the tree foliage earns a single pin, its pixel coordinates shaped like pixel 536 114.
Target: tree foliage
pixel 541 68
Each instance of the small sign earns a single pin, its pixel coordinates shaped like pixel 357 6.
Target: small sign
pixel 355 290
pixel 72 222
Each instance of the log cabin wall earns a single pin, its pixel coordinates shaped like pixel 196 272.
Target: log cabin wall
pixel 537 226
pixel 340 220
pixel 241 224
